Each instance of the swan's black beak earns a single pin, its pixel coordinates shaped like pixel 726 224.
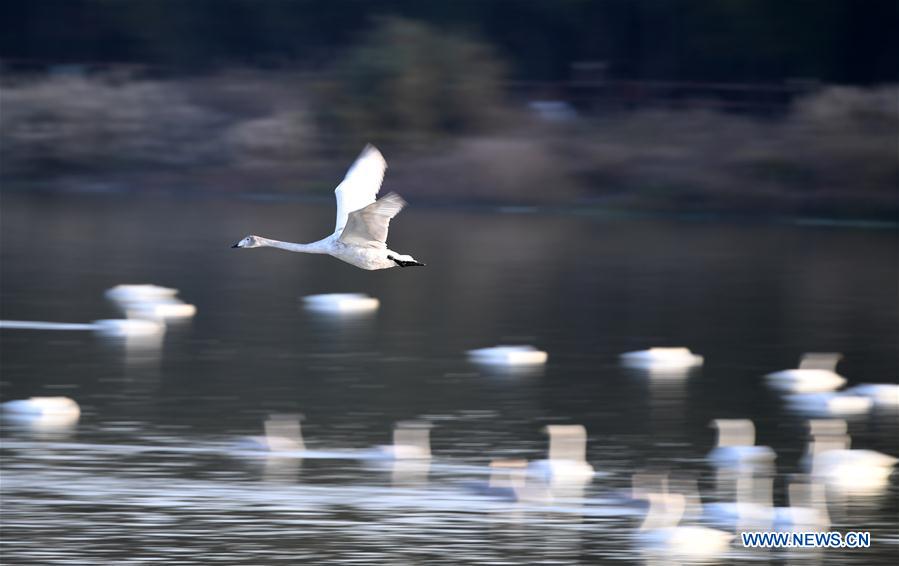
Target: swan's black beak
pixel 237 245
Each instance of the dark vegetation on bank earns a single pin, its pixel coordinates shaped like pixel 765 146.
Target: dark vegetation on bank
pixel 441 106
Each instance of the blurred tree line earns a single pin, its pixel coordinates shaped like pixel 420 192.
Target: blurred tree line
pixel 236 95
pixel 836 41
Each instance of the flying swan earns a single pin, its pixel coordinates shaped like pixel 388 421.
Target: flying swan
pixel 360 234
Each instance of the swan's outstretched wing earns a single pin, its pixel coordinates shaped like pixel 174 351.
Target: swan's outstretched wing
pixel 368 226
pixel 361 184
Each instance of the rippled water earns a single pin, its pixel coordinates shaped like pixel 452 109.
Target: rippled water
pixel 152 471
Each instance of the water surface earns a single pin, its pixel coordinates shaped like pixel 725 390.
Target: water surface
pixel 150 472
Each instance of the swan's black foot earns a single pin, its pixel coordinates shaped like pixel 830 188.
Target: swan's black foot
pixel 402 263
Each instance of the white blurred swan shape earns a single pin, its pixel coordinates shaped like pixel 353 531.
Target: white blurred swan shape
pixel 851 472
pixel 662 358
pixel 883 395
pixel 509 356
pixel 282 434
pixel 150 302
pixel 662 534
pixel 816 374
pixel 831 403
pixel 341 303
pixel 566 462
pixel 43 412
pixel 411 441
pixel 736 445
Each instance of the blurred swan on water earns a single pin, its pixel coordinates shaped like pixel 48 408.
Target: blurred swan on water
pixel 848 471
pixel 127 327
pixel 150 302
pixel 509 482
pixel 816 373
pixel 341 303
pixel 824 434
pixel 508 356
pixel 883 395
pixel 661 532
pixel 752 508
pixel 661 358
pixel 147 307
pixel 360 233
pixel 736 445
pixel 43 412
pixel 411 441
pixel 830 403
pixel 567 457
pixel 807 509
pixel 113 327
pixel 282 434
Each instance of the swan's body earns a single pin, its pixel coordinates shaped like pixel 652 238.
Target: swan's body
pixel 661 358
pixel 816 374
pixel 882 394
pixel 736 447
pixel 43 406
pixel 849 471
pixel 411 441
pixel 341 303
pixel 567 461
pixel 128 327
pixel 830 403
pixel 854 471
pixel 43 412
pixel 282 434
pixel 509 482
pixel 360 232
pixel 508 356
pixel 662 533
pixel 150 302
pixel 807 510
pixel 752 508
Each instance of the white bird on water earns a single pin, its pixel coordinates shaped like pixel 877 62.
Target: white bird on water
pixel 736 447
pixel 360 234
pixel 816 374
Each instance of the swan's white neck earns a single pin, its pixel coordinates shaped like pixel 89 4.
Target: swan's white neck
pixel 318 247
pixel 665 511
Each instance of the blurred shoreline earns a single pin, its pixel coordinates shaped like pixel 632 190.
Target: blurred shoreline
pixel 831 153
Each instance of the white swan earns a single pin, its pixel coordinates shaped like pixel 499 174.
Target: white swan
pixel 282 434
pixel 736 445
pixel 128 327
pixel 807 509
pixel 752 508
pixel 830 403
pixel 341 303
pixel 849 471
pixel 816 373
pixel 824 434
pixel 112 327
pixel 567 457
pixel 661 532
pixel 43 412
pixel 150 302
pixel 146 306
pixel 360 233
pixel 661 358
pixel 411 441
pixel 508 481
pixel 508 356
pixel 884 395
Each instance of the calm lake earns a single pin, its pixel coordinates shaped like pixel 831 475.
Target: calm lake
pixel 149 474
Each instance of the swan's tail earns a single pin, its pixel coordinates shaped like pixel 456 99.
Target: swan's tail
pixel 405 261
